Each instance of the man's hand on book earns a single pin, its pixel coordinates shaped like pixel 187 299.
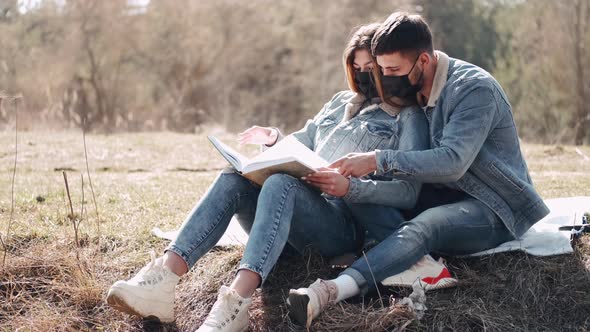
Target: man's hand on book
pixel 356 164
pixel 258 135
pixel 329 181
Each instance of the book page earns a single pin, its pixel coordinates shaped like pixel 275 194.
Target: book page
pixel 235 158
pixel 287 150
pixel 293 168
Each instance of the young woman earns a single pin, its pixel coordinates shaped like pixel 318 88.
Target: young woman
pixel 287 210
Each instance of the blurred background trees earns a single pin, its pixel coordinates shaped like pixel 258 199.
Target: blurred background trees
pixel 130 65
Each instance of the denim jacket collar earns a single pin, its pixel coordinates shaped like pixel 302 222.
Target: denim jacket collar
pixel 354 104
pixel 440 79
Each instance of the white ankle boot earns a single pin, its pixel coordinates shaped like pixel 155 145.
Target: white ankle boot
pixel 149 293
pixel 229 313
pixel 306 304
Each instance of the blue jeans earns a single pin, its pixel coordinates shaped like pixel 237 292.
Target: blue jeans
pixel 376 221
pixel 459 228
pixel 285 210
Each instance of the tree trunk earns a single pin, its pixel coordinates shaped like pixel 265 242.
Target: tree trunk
pixel 582 117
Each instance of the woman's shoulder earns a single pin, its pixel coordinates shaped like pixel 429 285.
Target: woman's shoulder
pixel 339 102
pixel 342 96
pixel 336 105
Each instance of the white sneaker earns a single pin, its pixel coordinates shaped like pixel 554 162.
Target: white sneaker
pixel 430 273
pixel 305 304
pixel 229 313
pixel 149 293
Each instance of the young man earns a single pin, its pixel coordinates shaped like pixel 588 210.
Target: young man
pixel 481 194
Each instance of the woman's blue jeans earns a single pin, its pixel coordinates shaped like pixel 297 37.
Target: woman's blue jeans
pixel 284 210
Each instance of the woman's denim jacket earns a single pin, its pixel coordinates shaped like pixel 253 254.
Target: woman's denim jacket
pixel 342 127
pixel 474 146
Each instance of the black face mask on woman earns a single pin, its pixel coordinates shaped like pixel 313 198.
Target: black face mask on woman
pixel 364 81
pixel 400 86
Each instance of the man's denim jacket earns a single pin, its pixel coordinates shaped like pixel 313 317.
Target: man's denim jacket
pixel 347 124
pixel 474 146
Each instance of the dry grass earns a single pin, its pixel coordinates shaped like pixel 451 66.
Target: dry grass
pixel 152 180
pixel 515 292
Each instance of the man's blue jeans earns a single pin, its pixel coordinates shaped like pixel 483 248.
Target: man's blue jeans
pixel 285 210
pixel 464 227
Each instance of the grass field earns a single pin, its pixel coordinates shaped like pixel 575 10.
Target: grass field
pixel 151 180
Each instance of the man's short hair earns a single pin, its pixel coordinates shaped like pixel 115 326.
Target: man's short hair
pixel 402 32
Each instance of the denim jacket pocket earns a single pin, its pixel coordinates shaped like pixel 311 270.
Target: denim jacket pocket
pixel 325 125
pixel 326 121
pixel 378 135
pixel 507 178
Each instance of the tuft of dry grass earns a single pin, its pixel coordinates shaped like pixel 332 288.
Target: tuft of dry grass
pixel 514 292
pixel 269 311
pixel 365 317
pixel 153 180
pixel 49 289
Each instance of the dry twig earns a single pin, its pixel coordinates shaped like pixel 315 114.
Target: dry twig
pixel 5 240
pixel 72 217
pixel 90 182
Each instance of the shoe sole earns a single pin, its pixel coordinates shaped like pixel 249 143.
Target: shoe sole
pixel 441 284
pixel 298 304
pixel 118 303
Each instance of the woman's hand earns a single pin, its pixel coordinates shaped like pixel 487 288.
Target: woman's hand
pixel 258 135
pixel 329 181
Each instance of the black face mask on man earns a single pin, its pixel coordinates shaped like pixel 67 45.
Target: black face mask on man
pixel 364 81
pixel 400 86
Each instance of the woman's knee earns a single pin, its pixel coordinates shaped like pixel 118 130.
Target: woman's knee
pixel 229 178
pixel 280 180
pixel 277 185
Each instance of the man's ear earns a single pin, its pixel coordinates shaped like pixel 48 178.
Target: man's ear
pixel 424 59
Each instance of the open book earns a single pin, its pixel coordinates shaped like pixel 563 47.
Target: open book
pixel 287 156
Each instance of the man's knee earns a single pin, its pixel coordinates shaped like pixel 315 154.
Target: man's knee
pixel 416 231
pixel 437 222
pixel 426 228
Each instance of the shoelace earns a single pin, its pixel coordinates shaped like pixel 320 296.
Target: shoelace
pixel 151 273
pixel 220 312
pixel 329 289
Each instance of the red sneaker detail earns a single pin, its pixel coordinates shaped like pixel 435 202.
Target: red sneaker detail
pixel 443 274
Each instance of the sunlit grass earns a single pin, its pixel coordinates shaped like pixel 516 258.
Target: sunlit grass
pixel 143 181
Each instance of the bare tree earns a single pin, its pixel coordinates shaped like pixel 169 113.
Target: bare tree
pixel 582 114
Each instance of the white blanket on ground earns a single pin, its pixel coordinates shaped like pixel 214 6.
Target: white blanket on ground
pixel 543 239
pixel 234 235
